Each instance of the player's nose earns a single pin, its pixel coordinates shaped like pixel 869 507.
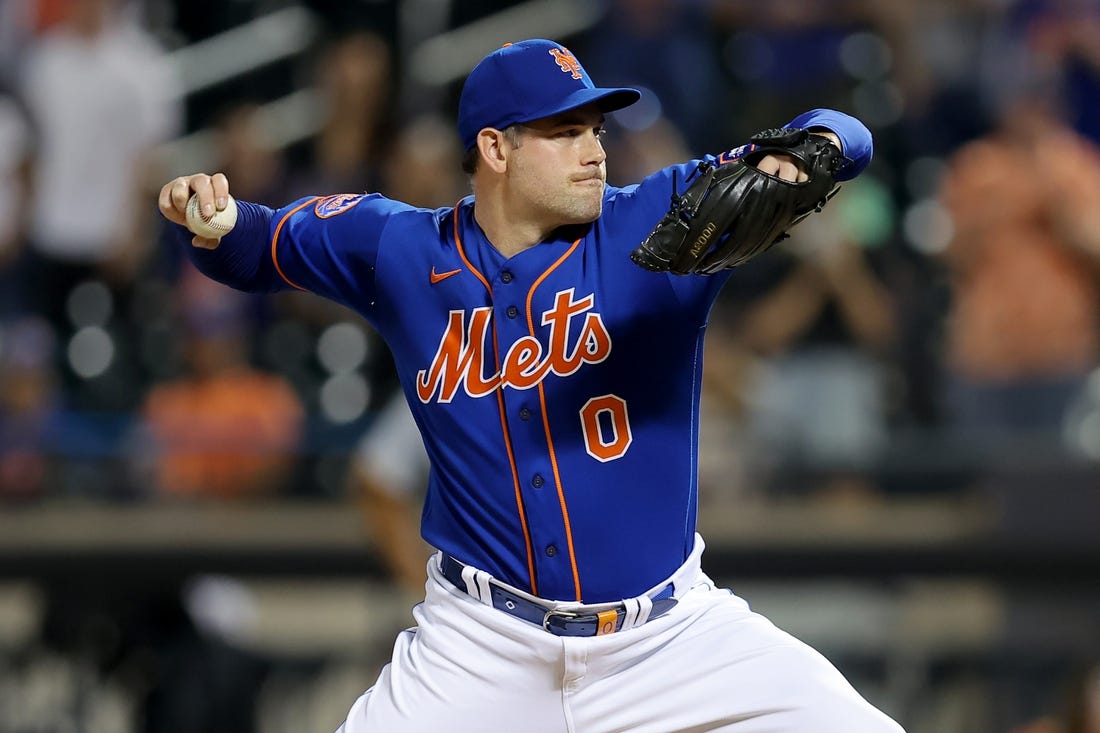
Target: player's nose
pixel 593 150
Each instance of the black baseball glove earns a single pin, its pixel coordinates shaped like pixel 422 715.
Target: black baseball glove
pixel 732 212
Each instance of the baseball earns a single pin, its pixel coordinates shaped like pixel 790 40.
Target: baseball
pixel 215 227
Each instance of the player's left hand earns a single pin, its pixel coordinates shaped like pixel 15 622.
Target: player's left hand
pixel 789 168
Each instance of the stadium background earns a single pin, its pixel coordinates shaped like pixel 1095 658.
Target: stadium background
pixel 909 488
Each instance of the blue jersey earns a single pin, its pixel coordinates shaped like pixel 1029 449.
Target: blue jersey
pixel 557 391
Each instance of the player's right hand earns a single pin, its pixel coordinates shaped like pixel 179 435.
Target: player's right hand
pixel 213 192
pixel 789 168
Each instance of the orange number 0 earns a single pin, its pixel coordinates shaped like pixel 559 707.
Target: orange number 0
pixel 600 445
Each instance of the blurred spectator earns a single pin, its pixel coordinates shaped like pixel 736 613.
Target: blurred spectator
pixel 1023 331
pixel 423 165
pixel 726 478
pixel 15 143
pixel 30 409
pixel 941 56
pixel 18 19
pixel 377 16
pixel 389 473
pixel 635 154
pixel 684 85
pixel 353 78
pixel 101 95
pixel 824 323
pixel 224 429
pixel 1062 40
pixel 1083 713
pixel 124 658
pixel 786 51
pixel 247 156
pixel 1042 725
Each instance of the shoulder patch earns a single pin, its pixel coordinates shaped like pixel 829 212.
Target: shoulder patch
pixel 336 204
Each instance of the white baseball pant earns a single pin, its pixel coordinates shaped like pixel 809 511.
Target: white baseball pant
pixel 709 664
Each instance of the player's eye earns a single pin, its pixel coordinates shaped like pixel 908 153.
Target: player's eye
pixel 575 131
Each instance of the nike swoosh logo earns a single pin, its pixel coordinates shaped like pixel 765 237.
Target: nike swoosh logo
pixel 436 277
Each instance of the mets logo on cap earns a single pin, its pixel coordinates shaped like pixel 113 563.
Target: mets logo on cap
pixel 567 61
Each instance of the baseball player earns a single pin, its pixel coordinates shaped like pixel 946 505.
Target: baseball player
pixel 555 383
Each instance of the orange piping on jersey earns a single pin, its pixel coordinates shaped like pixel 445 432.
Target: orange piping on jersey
pixel 275 240
pixel 462 254
pixel 546 427
pixel 503 419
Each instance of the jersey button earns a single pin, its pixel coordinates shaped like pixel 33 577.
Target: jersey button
pixel 537 481
pixel 512 311
pixel 524 413
pixel 506 276
pixel 551 551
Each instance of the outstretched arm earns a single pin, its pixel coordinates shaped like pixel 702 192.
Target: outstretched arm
pixel 240 258
pixel 739 204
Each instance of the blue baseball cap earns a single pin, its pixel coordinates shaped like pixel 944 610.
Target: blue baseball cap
pixel 526 81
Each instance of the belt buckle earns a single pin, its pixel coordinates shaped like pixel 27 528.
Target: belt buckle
pixel 564 614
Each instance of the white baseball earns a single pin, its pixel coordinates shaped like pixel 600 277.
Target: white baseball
pixel 217 225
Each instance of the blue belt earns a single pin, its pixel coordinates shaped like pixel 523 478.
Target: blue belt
pixel 559 623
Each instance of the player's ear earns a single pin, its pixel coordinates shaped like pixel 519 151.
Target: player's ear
pixel 493 147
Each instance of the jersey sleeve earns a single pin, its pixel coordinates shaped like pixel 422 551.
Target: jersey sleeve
pixel 329 246
pixel 324 245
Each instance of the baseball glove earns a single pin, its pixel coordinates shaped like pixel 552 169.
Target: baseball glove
pixel 732 212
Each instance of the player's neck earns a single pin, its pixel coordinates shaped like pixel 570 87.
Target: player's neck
pixel 509 233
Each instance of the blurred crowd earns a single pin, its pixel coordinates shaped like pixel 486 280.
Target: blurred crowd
pixel 946 303
pixel 936 325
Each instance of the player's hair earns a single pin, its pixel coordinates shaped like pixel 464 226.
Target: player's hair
pixel 473 155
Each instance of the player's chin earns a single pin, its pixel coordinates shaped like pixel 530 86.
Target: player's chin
pixel 587 209
pixel 586 215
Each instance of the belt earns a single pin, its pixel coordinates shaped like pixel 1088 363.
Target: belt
pixel 558 622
